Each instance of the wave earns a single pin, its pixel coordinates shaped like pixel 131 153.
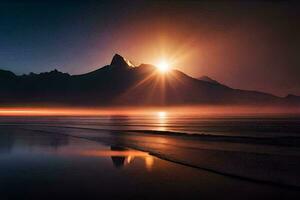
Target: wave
pixel 291 141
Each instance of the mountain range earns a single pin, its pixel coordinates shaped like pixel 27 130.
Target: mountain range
pixel 122 83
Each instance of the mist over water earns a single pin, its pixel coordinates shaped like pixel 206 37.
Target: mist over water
pixel 172 120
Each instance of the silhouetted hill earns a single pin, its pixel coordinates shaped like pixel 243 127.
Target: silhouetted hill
pixel 207 79
pixel 6 75
pixel 122 83
pixel 293 99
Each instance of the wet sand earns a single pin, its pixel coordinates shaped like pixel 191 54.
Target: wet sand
pixel 57 162
pixel 253 160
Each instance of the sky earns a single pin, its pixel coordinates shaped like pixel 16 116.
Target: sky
pixel 248 44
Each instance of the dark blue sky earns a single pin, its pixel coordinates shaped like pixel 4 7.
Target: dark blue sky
pixel 39 36
pixel 248 45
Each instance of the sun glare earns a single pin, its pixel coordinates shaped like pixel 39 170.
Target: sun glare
pixel 163 66
pixel 161 114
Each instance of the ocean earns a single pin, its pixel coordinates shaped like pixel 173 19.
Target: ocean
pixel 155 156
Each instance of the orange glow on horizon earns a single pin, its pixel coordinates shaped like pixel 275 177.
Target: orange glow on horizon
pixel 146 111
pixel 28 111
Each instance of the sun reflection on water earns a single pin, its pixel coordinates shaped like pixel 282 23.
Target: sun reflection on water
pixel 161 114
pixel 149 161
pixel 161 120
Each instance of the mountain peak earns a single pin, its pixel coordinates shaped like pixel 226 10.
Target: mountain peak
pixel 120 62
pixel 207 79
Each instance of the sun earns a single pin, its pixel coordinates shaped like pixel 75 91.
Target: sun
pixel 163 66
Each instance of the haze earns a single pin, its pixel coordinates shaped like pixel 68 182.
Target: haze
pixel 157 112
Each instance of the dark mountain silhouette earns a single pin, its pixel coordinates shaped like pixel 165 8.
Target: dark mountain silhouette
pixel 293 99
pixel 6 74
pixel 208 79
pixel 122 83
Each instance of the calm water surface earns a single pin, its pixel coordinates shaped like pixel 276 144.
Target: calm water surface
pixel 254 126
pixel 34 165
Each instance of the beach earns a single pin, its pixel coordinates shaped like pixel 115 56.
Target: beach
pixel 60 154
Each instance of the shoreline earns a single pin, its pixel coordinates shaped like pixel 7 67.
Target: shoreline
pixel 185 155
